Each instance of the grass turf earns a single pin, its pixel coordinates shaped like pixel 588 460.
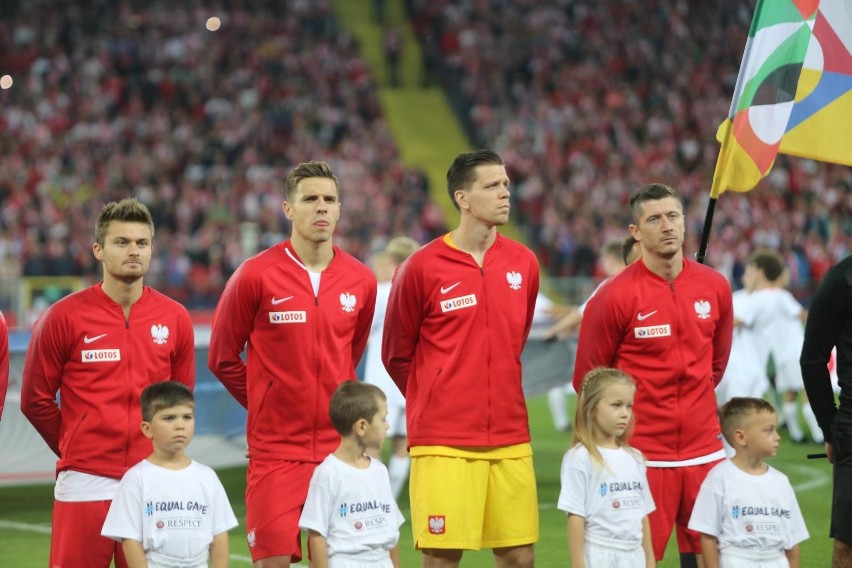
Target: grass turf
pixel 25 511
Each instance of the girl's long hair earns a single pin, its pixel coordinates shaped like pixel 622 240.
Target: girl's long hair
pixel 586 429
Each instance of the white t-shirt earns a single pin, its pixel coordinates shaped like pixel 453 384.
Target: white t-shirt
pixel 374 369
pixel 745 374
pixel 174 513
pixel 777 323
pixel 757 512
pixel 613 499
pixel 352 508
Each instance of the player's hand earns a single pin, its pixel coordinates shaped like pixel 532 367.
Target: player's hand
pixel 829 452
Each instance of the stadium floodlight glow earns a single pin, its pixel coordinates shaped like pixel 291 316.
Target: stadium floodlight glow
pixel 6 82
pixel 213 23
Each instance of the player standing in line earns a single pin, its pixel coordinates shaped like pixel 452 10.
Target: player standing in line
pixel 667 322
pixel 96 350
pixel 604 488
pixel 302 311
pixel 460 309
pixel 397 250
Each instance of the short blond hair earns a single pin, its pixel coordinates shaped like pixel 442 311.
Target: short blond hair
pixel 400 248
pixel 734 413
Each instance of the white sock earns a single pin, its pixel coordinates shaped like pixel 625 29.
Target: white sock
pixel 398 467
pixel 792 420
pixel 558 403
pixel 811 421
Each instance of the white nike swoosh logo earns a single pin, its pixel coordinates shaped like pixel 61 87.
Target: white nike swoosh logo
pixel 448 288
pixel 87 339
pixel 640 316
pixel 275 301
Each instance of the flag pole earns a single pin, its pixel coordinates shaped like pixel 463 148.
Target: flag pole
pixel 705 233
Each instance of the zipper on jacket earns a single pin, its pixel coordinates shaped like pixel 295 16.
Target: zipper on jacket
pixel 128 342
pixel 681 368
pixel 488 355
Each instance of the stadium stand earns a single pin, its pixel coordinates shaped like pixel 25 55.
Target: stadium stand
pixel 117 98
pixel 589 99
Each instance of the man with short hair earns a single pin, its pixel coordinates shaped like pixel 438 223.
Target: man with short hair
pixel 460 311
pixel 668 322
pixel 95 351
pixel 302 311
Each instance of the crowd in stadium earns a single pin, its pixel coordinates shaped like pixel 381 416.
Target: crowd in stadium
pixel 588 100
pixel 585 100
pixel 202 127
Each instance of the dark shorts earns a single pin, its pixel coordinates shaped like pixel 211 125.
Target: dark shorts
pixel 841 505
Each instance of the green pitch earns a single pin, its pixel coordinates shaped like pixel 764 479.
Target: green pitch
pixel 25 511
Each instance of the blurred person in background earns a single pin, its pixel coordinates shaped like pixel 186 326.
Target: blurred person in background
pixel 4 362
pixel 397 250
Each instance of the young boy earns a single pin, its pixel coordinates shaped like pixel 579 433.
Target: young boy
pixel 746 511
pixel 350 514
pixel 170 510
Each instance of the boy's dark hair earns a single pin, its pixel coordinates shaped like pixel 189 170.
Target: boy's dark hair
pixel 650 192
pixel 767 261
pixel 627 248
pixel 162 395
pixel 461 173
pixel 306 170
pixel 351 402
pixel 129 210
pixel 733 412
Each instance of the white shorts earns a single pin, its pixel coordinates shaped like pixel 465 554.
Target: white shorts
pixel 732 557
pixel 609 553
pixel 788 377
pixel 155 560
pixel 374 559
pixel 396 421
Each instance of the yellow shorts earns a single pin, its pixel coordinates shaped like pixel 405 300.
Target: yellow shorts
pixel 467 503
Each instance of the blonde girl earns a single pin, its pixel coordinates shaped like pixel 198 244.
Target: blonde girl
pixel 604 489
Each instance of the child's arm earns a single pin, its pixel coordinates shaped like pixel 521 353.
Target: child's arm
pixel 394 554
pixel 793 556
pixel 577 540
pixel 219 550
pixel 134 553
pixel 710 550
pixel 319 550
pixel 647 545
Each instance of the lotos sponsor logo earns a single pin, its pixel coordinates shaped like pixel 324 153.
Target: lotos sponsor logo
pixel 288 317
pixel 458 303
pixel 652 331
pixel 101 355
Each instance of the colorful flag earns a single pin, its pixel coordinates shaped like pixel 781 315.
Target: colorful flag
pixel 821 121
pixel 792 93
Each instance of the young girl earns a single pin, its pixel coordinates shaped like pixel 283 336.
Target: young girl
pixel 604 489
